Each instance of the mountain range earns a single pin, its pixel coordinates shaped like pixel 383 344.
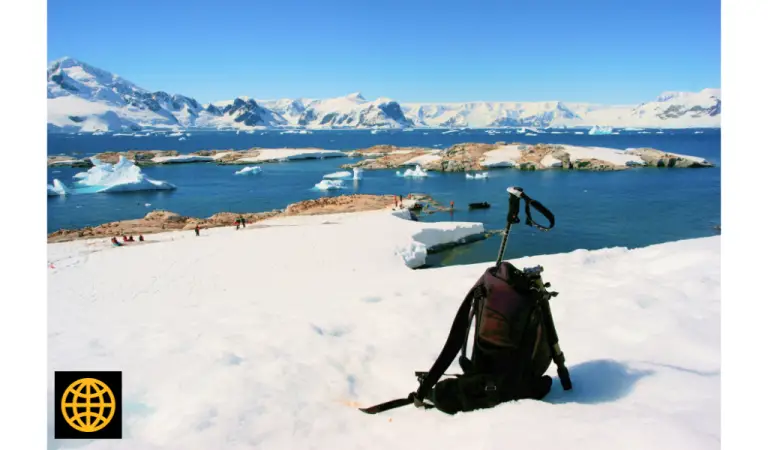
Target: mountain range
pixel 83 98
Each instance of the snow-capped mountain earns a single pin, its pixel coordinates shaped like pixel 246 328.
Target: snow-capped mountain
pixel 85 98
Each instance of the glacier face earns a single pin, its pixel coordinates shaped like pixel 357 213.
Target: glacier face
pixel 83 98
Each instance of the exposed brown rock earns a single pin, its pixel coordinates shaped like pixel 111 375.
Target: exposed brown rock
pixel 68 161
pixel 140 157
pixel 658 158
pixel 160 220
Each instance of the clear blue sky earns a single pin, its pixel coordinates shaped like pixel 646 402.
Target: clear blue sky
pixel 572 50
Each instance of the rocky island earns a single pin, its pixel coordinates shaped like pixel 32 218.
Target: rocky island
pixel 474 156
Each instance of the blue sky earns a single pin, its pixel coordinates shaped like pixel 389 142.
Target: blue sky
pixel 589 50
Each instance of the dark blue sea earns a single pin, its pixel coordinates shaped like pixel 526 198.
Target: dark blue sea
pixel 631 208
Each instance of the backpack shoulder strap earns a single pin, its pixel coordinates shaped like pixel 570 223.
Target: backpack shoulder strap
pixel 456 339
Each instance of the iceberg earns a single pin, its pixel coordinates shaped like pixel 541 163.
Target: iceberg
pixel 330 185
pixel 598 130
pixel 249 170
pixel 357 173
pixel 416 172
pixel 338 175
pixel 124 176
pixel 477 176
pixel 57 188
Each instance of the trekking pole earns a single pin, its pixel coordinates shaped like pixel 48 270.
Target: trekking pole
pixel 554 343
pixel 512 217
pixel 515 194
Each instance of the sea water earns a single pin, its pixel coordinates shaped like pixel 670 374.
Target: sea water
pixel 629 208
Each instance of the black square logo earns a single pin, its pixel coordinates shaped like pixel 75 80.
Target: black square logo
pixel 88 405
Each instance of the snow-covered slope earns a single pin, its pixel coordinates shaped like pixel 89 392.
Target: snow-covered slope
pixel 669 110
pixel 221 347
pixel 85 98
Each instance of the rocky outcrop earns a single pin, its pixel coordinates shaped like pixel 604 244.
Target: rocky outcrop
pixel 658 158
pixel 160 220
pixel 139 157
pixel 462 158
pixel 68 161
pixel 155 222
pixel 340 204
pixel 390 160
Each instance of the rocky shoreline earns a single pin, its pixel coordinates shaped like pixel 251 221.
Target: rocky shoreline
pixel 466 157
pixel 159 221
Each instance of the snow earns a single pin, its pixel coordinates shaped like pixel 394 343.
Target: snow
pixel 123 176
pixel 335 175
pixel 505 156
pixel 477 176
pixel 98 92
pixel 330 185
pixel 551 161
pixel 291 153
pixel 416 172
pixel 423 159
pixel 223 348
pixel 181 159
pixel 611 155
pixel 249 170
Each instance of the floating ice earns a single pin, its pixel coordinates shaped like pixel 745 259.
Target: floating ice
pixel 578 132
pixel 176 134
pixel 249 170
pixel 477 176
pixel 598 130
pixel 357 173
pixel 338 175
pixel 416 172
pixel 57 188
pixel 147 204
pixel 120 177
pixel 182 138
pixel 698 132
pixel 329 185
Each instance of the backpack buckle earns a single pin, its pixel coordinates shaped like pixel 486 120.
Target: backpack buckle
pixel 489 386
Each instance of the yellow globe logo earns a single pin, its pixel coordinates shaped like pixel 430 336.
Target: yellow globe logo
pixel 88 405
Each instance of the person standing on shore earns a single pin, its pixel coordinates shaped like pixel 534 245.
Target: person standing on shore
pixel 197 230
pixel 242 221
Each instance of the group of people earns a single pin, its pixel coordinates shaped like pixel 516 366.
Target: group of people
pixel 126 239
pixel 240 222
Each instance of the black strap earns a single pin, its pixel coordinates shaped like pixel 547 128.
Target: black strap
pixel 540 208
pixel 451 348
pixel 453 344
pixel 386 406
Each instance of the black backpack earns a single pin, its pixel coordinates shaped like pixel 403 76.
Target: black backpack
pixel 514 340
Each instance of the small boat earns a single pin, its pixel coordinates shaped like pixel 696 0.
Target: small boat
pixel 482 205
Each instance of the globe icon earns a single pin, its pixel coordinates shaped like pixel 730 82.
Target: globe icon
pixel 88 405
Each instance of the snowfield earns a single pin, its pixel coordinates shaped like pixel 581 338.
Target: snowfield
pixel 505 156
pixel 271 337
pixel 278 154
pixel 611 155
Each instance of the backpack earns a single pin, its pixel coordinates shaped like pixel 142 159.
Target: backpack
pixel 514 342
